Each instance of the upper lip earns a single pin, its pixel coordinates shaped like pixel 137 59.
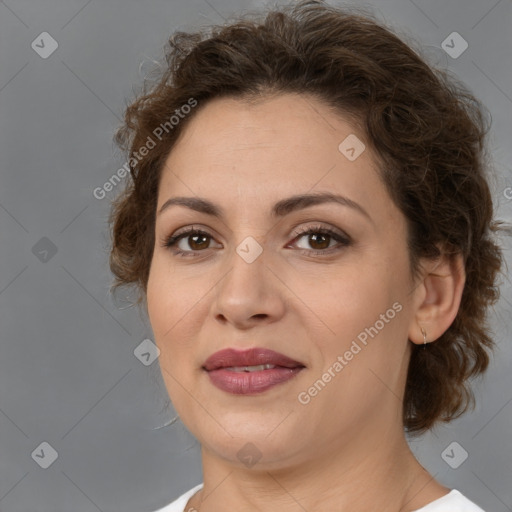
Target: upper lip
pixel 254 356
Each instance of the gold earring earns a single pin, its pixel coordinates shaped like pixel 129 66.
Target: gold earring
pixel 424 337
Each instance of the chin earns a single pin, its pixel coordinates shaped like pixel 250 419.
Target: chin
pixel 255 453
pixel 252 437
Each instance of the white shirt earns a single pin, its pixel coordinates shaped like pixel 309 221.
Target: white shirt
pixel 454 501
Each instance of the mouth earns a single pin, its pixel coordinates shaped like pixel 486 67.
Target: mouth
pixel 250 371
pixel 253 368
pixel 254 359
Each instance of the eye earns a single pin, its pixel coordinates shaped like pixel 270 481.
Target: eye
pixel 320 240
pixel 196 239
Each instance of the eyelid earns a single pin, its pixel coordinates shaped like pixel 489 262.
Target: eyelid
pixel 296 230
pixel 339 236
pixel 169 241
pixel 343 240
pixel 191 228
pixel 301 230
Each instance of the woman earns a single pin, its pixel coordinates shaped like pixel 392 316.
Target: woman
pixel 310 228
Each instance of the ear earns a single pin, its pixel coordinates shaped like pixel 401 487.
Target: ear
pixel 437 297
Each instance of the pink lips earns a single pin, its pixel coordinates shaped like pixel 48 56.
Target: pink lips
pixel 220 367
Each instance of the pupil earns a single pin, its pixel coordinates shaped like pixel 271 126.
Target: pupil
pixel 314 239
pixel 195 237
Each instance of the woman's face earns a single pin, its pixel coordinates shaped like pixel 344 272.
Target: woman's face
pixel 340 303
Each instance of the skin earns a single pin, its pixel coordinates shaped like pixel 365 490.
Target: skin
pixel 345 450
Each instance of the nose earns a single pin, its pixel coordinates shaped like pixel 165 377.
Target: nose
pixel 249 294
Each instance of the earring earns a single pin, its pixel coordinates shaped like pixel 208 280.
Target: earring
pixel 424 337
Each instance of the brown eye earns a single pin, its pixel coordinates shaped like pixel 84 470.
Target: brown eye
pixel 319 240
pixel 198 242
pixel 195 239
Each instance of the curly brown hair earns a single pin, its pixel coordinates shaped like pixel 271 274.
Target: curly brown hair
pixel 426 127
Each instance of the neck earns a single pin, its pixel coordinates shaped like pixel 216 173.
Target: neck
pixel 353 477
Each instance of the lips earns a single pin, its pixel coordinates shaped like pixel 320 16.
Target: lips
pixel 237 360
pixel 250 372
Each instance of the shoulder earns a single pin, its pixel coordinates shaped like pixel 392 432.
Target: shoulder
pixel 178 505
pixel 454 501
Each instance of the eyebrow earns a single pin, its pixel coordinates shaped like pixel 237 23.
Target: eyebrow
pixel 280 209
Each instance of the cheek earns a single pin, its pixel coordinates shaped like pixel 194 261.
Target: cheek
pixel 358 312
pixel 169 298
pixel 164 312
pixel 167 310
pixel 177 307
pixel 348 298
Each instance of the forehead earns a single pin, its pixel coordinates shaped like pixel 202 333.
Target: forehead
pixel 276 146
pixel 286 119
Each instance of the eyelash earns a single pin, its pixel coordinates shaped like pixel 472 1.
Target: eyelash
pixel 344 241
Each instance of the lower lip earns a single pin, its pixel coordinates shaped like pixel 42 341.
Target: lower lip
pixel 244 383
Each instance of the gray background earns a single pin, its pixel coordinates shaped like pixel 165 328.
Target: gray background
pixel 68 373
